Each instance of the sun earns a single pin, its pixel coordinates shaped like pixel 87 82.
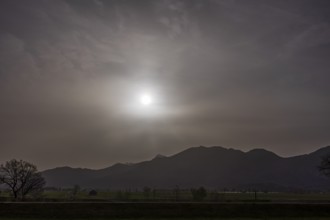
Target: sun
pixel 146 99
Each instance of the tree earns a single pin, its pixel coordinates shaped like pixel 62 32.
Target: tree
pixel 75 190
pixel 199 194
pixel 146 192
pixel 325 165
pixel 21 177
pixel 93 192
pixel 176 191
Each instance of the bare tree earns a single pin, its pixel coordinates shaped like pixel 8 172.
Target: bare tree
pixel 325 165
pixel 21 177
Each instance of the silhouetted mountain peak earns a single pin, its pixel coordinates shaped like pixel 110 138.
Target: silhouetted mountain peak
pixel 260 152
pixel 116 166
pixel 159 156
pixel 201 149
pixel 68 169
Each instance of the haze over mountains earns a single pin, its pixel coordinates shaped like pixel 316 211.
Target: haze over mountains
pixel 212 167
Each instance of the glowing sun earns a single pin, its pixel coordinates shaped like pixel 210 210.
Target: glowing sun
pixel 145 99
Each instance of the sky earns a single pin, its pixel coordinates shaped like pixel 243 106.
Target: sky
pixel 233 73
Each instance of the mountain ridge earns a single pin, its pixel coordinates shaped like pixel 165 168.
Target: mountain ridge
pixel 213 167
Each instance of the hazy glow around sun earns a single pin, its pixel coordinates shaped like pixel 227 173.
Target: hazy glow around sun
pixel 146 99
pixel 147 102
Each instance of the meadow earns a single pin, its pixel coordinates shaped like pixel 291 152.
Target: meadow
pixel 167 204
pixel 166 195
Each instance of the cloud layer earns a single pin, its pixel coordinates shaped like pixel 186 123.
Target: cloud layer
pixel 226 72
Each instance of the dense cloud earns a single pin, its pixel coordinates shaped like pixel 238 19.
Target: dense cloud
pixel 235 73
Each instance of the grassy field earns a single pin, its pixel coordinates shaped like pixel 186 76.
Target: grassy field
pixel 165 204
pixel 183 195
pixel 186 196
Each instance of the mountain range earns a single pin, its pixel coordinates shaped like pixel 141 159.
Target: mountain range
pixel 211 167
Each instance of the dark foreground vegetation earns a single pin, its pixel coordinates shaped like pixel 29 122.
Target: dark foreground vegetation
pixel 175 204
pixel 161 210
pixel 169 195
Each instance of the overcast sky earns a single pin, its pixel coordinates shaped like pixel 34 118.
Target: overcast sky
pixel 233 73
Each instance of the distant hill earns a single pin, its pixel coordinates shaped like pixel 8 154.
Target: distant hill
pixel 212 167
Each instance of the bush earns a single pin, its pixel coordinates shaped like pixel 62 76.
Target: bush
pixel 198 194
pixel 92 193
